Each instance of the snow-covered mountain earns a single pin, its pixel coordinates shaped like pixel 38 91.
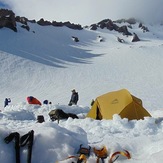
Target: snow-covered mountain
pixel 39 62
pixel 47 63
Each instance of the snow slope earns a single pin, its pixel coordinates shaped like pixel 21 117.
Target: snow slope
pixel 46 63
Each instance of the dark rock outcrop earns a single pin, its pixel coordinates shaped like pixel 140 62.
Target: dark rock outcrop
pixel 145 29
pixel 75 39
pixel 124 30
pixel 7 19
pixel 135 38
pixel 43 22
pixel 93 27
pixel 110 25
pixel 72 26
pixel 120 40
pixel 26 27
pixel 100 39
pixel 59 24
pixel 22 20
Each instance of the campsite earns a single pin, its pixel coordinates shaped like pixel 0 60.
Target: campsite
pixel 124 79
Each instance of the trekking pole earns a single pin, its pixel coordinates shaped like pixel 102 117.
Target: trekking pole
pixel 28 139
pixel 9 138
pixel 30 144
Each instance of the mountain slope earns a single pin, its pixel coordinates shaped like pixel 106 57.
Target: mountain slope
pixel 45 62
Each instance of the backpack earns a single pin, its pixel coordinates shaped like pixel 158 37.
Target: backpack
pixel 58 114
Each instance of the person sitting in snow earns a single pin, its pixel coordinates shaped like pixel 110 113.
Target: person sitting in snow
pixel 74 98
pixel 92 102
pixel 7 101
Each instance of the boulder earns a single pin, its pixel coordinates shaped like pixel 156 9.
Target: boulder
pixel 75 39
pixel 135 38
pixel 120 40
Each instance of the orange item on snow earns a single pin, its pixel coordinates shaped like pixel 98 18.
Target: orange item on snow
pixel 123 153
pixel 33 100
pixel 101 153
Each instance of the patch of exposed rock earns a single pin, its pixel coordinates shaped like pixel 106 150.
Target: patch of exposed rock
pixel 7 19
pixel 110 25
pixel 43 22
pixel 135 38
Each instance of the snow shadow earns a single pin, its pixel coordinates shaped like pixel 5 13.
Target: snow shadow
pixel 48 45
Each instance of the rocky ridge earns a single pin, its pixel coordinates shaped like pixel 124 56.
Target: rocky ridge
pixel 9 20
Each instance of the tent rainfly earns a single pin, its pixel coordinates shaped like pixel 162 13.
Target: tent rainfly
pixel 118 102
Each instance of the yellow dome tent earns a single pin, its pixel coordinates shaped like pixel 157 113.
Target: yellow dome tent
pixel 118 102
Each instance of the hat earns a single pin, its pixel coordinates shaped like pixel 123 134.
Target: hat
pixel 73 90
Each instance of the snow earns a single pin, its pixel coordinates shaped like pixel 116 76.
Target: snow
pixel 47 64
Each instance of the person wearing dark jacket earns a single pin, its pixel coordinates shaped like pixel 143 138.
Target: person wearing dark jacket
pixel 74 98
pixel 7 101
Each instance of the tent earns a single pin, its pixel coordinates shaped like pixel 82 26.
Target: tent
pixel 33 100
pixel 118 102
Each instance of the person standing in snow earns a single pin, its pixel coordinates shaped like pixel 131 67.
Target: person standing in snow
pixel 7 101
pixel 74 98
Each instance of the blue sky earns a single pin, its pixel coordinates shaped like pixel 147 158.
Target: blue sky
pixel 2 5
pixel 87 12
